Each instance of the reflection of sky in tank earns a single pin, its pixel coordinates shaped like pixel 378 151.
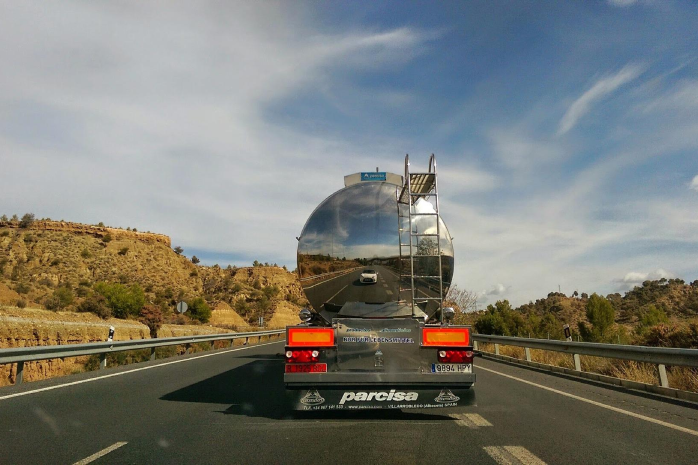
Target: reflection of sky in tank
pixel 357 222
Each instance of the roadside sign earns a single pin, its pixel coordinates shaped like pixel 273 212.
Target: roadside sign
pixel 568 334
pixel 182 307
pixel 378 176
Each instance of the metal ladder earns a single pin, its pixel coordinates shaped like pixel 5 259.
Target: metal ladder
pixel 418 186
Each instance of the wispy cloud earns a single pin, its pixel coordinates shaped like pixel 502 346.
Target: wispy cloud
pixel 694 183
pixel 622 3
pixel 598 91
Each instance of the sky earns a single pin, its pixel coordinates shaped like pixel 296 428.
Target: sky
pixel 566 133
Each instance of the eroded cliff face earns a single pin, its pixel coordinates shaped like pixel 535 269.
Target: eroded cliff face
pixel 95 231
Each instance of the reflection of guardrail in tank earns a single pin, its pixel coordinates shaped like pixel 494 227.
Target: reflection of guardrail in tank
pixel 19 355
pixel 659 356
pixel 322 277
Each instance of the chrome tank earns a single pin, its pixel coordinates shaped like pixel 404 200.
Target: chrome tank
pixel 357 229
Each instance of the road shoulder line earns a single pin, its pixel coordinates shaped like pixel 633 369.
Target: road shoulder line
pixel 89 380
pixel 598 404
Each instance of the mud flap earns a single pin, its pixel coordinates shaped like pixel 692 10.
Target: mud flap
pixel 363 398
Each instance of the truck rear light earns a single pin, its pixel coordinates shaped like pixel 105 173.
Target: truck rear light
pixel 446 337
pixel 455 356
pixel 310 337
pixel 302 356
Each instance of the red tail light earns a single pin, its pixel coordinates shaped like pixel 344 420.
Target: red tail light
pixel 302 356
pixel 455 356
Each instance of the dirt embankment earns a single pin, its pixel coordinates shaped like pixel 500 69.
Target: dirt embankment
pixel 34 327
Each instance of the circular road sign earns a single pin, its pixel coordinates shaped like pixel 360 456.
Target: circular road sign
pixel 182 307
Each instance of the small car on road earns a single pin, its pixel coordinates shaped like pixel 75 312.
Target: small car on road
pixel 369 277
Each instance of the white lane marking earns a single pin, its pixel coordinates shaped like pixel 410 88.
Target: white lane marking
pixel 470 420
pixel 101 453
pixel 598 404
pixel 385 285
pixel 330 299
pixel 512 455
pixel 389 292
pixel 89 380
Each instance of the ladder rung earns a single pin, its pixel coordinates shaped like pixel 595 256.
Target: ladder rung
pixel 429 298
pixel 420 255
pixel 435 277
pixel 404 245
pixel 423 235
pixel 423 214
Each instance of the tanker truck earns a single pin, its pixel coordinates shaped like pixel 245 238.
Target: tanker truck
pixel 375 261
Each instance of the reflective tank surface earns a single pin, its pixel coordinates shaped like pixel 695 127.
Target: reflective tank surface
pixel 349 251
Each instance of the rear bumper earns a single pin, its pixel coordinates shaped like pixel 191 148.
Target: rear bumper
pixel 299 380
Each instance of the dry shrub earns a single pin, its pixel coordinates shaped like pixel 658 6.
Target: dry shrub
pixel 633 371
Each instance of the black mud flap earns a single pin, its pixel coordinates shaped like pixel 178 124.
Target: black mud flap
pixel 365 398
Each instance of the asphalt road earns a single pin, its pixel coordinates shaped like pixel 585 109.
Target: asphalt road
pixel 348 288
pixel 226 407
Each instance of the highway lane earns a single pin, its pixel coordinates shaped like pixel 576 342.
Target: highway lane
pixel 348 288
pixel 228 407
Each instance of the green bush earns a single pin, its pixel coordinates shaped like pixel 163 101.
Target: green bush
pixel 55 262
pixel 151 316
pixel 21 303
pixel 123 251
pixel 27 220
pixel 124 301
pixel 23 288
pixel 61 298
pixel 271 291
pixel 96 304
pixel 199 310
pixel 85 253
pixel 4 233
pixel 106 238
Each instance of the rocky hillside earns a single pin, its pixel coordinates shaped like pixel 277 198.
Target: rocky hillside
pixel 51 264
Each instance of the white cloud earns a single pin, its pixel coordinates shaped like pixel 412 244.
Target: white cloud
pixel 497 289
pixel 600 89
pixel 694 183
pixel 636 278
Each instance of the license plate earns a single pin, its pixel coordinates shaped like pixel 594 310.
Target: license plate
pixel 451 368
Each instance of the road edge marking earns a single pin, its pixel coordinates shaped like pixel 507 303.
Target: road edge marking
pixel 598 404
pixel 89 380
pixel 101 453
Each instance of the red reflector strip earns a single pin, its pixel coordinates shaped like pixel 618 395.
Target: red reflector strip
pixel 306 368
pixel 310 337
pixel 446 337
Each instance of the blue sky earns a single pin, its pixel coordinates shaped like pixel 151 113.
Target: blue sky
pixel 566 132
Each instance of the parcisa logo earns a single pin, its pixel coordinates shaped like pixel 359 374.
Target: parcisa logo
pixel 398 396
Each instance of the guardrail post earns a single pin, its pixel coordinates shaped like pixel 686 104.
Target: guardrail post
pixel 496 349
pixel 102 361
pixel 152 353
pixel 20 373
pixel 247 341
pixel 232 342
pixel 187 349
pixel 663 380
pixel 577 363
pixel 213 345
pixel 528 354
pixel 474 345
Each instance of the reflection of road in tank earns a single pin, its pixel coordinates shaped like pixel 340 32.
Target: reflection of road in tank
pixel 348 288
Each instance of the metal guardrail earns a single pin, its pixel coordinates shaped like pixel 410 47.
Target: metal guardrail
pixel 660 356
pixel 19 355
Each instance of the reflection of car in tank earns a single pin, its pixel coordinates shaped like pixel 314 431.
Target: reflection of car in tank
pixel 369 276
